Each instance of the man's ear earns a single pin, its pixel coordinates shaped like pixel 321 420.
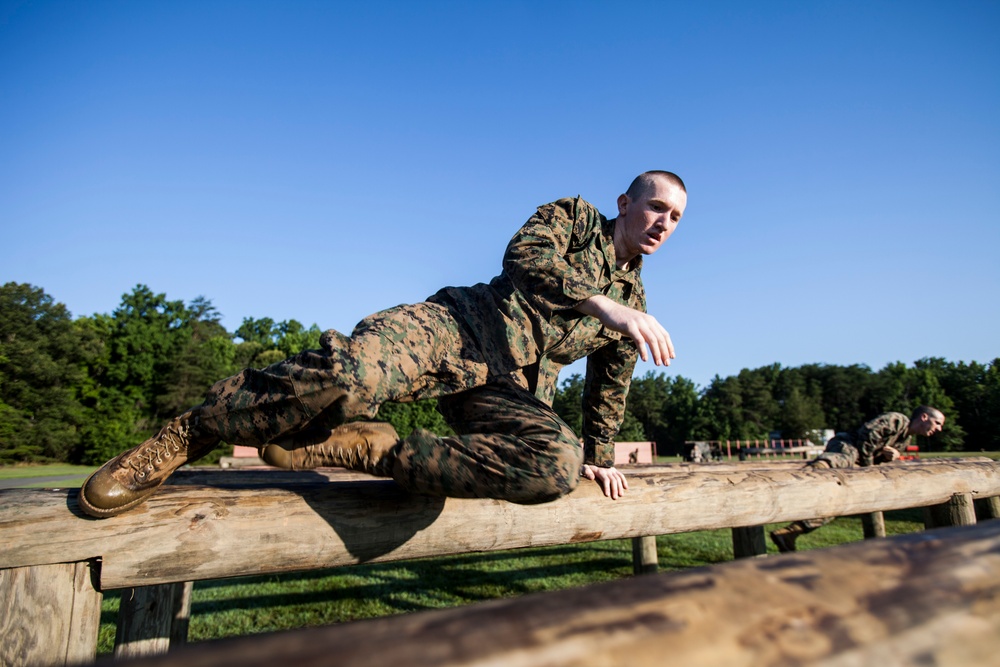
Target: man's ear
pixel 623 203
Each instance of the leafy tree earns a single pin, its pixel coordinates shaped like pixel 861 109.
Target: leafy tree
pixel 800 416
pixel 903 389
pixel 407 417
pixel 204 355
pixel 568 402
pixel 40 377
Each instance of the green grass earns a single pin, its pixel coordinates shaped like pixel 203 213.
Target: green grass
pixel 949 455
pixel 234 607
pixel 44 470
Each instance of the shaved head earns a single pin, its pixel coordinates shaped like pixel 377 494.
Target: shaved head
pixel 644 182
pixel 933 413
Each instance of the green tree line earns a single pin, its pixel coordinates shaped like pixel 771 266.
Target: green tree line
pixel 81 390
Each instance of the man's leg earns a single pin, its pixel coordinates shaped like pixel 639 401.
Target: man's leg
pixel 397 354
pixel 510 446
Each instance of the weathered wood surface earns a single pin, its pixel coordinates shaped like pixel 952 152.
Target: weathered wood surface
pixel 146 619
pixel 956 511
pixel 645 560
pixel 49 615
pixel 873 525
pixel 987 508
pixel 186 533
pixel 927 599
pixel 749 542
pixel 219 477
pixel 181 614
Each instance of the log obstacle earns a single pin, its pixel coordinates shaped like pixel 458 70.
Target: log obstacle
pixel 271 522
pixel 928 598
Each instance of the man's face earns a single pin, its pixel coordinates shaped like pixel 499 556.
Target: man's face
pixel 650 219
pixel 927 425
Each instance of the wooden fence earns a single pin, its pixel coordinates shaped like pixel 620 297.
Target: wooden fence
pixel 55 562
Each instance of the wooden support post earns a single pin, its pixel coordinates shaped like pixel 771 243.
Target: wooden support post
pixel 49 614
pixel 146 619
pixel 958 511
pixel 873 525
pixel 987 508
pixel 644 557
pixel 749 542
pixel 181 615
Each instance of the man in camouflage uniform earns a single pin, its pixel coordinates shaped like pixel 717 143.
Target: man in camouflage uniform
pixel 570 288
pixel 880 440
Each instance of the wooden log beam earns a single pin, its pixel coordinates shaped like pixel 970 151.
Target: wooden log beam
pixel 206 476
pixel 927 598
pixel 193 533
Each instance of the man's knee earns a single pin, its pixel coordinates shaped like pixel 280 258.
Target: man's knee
pixel 547 477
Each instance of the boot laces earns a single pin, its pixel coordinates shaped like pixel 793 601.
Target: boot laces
pixel 356 457
pixel 163 446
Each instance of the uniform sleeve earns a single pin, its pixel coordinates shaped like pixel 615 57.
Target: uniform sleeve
pixel 536 256
pixel 609 374
pixel 874 435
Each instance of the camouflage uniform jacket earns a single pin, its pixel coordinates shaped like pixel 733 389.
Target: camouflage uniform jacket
pixel 525 326
pixel 886 430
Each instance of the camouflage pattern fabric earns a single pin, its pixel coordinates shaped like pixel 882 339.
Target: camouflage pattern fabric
pixel 525 321
pixel 886 430
pixel 862 447
pixel 490 352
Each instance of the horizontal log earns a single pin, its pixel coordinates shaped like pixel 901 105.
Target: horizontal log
pixel 190 533
pixel 228 477
pixel 927 598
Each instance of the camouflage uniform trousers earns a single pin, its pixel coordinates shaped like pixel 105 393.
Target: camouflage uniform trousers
pixel 838 453
pixel 510 445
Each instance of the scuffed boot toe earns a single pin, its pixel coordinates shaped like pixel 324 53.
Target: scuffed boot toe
pixel 102 495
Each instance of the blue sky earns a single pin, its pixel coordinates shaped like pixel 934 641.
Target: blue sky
pixel 320 161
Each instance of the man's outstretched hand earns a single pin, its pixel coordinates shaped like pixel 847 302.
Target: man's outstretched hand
pixel 639 326
pixel 612 482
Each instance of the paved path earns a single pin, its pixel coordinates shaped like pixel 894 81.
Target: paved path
pixel 19 482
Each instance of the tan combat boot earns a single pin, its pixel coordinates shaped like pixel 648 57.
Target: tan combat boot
pixel 368 447
pixel 784 538
pixel 132 476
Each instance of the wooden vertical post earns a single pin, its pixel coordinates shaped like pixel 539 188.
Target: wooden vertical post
pixel 49 614
pixel 181 614
pixel 987 508
pixel 959 511
pixel 749 542
pixel 873 525
pixel 146 619
pixel 644 558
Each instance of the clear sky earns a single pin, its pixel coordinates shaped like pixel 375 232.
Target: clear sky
pixel 320 161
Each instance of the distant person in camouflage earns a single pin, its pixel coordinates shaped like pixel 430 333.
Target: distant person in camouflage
pixel 880 440
pixel 570 288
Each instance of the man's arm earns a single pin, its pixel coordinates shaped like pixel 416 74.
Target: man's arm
pixel 639 326
pixel 875 435
pixel 536 257
pixel 609 375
